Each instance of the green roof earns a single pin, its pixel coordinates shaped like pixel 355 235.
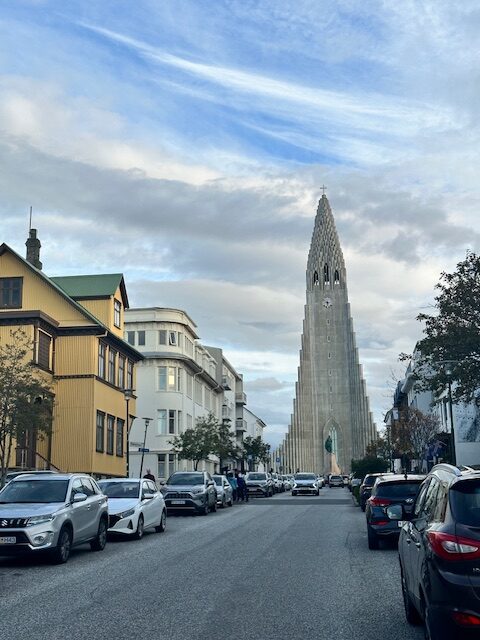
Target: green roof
pixel 91 286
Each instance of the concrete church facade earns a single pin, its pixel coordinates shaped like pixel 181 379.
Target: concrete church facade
pixel 331 421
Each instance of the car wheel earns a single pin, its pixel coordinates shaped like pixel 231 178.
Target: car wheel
pixel 163 523
pixel 61 553
pixel 412 615
pixel 138 535
pixel 372 539
pixel 294 493
pixel 224 503
pixel 99 542
pixel 205 509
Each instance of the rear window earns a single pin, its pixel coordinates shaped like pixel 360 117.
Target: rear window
pixel 398 489
pixel 465 503
pixel 369 481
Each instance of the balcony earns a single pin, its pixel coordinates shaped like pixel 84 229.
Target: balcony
pixel 226 383
pixel 241 398
pixel 241 425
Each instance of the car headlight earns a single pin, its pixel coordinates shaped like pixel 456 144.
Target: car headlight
pixel 33 520
pixel 198 490
pixel 126 514
pixel 295 485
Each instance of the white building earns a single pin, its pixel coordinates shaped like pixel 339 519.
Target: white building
pixel 176 384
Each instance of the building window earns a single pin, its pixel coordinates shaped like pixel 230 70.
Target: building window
pixel 162 336
pixel 112 357
pixel 11 293
pixel 161 421
pixel 120 436
pixel 180 340
pixel 100 439
pixel 336 278
pixel 172 338
pixel 179 421
pixel 129 374
pixel 141 338
pixel 162 469
pixel 131 337
pixel 326 274
pixel 189 385
pixel 179 378
pixel 171 463
pixel 110 434
pixel 168 379
pixel 189 421
pixel 44 350
pixel 188 347
pixel 315 278
pixel 117 309
pixel 101 359
pixel 172 422
pixel 121 372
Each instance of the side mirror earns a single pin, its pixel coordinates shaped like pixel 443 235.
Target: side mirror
pixel 148 496
pixel 162 483
pixel 79 497
pixel 396 512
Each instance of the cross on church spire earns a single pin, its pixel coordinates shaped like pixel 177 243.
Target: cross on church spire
pixel 323 188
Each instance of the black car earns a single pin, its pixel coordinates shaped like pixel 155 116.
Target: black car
pixel 439 550
pixel 366 488
pixel 388 490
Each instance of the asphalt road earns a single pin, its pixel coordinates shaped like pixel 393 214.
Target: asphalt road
pixel 274 569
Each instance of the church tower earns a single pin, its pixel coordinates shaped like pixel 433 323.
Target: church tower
pixel 331 421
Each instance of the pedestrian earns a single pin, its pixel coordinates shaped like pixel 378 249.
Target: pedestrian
pixel 242 487
pixel 149 475
pixel 233 483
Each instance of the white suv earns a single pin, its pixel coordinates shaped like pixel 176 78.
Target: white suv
pixel 52 513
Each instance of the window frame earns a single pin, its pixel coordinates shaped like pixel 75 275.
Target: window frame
pixel 110 441
pixel 119 438
pixel 117 313
pixel 102 354
pixel 10 292
pixel 100 429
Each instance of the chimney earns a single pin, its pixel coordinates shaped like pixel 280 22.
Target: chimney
pixel 33 249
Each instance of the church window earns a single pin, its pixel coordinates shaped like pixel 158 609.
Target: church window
pixel 329 356
pixel 328 338
pixel 315 277
pixel 326 274
pixel 336 278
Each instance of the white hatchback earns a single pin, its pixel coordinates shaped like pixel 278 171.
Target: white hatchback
pixel 134 505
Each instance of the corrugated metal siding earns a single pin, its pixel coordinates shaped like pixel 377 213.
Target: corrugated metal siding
pixel 100 309
pixel 75 355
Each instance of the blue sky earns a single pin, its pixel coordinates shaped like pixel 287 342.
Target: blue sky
pixel 198 134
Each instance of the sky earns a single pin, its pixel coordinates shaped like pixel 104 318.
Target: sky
pixel 185 142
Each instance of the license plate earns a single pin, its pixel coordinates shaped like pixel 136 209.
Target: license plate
pixel 8 540
pixel 178 502
pixel 401 523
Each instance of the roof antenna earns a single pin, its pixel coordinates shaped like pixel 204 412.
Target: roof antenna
pixel 30 223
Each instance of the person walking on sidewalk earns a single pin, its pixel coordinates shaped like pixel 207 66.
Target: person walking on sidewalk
pixel 242 487
pixel 234 484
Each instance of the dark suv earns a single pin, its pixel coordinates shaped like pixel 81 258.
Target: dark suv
pixel 190 491
pixel 388 490
pixel 439 550
pixel 366 488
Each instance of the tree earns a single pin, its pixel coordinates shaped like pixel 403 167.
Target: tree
pixel 26 401
pixel 413 432
pixel 225 445
pixel 369 464
pixel 197 443
pixel 255 450
pixel 452 335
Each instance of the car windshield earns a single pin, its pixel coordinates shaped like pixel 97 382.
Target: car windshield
pixel 398 489
pixel 465 502
pixel 34 491
pixel 218 480
pixel 305 476
pixel 186 479
pixel 369 481
pixel 256 476
pixel 114 489
pixel 335 477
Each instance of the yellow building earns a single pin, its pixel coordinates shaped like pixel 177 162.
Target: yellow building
pixel 75 324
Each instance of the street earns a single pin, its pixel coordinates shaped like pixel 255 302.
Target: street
pixel 282 568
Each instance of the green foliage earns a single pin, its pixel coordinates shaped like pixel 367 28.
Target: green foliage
pixel 26 402
pixel 369 465
pixel 208 437
pixel 452 335
pixel 257 449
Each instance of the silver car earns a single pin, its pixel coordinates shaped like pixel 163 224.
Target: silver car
pixel 224 491
pixel 190 491
pixel 52 513
pixel 133 506
pixel 305 483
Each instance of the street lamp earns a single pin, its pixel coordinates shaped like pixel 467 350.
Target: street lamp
pixel 147 422
pixel 128 394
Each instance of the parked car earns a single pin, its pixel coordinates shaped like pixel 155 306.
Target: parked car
pixel 224 491
pixel 259 484
pixel 366 488
pixel 278 485
pixel 133 506
pixel 52 513
pixel 439 551
pixel 305 483
pixel 287 483
pixel 346 478
pixel 388 490
pixel 335 480
pixel 190 491
pixel 36 472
